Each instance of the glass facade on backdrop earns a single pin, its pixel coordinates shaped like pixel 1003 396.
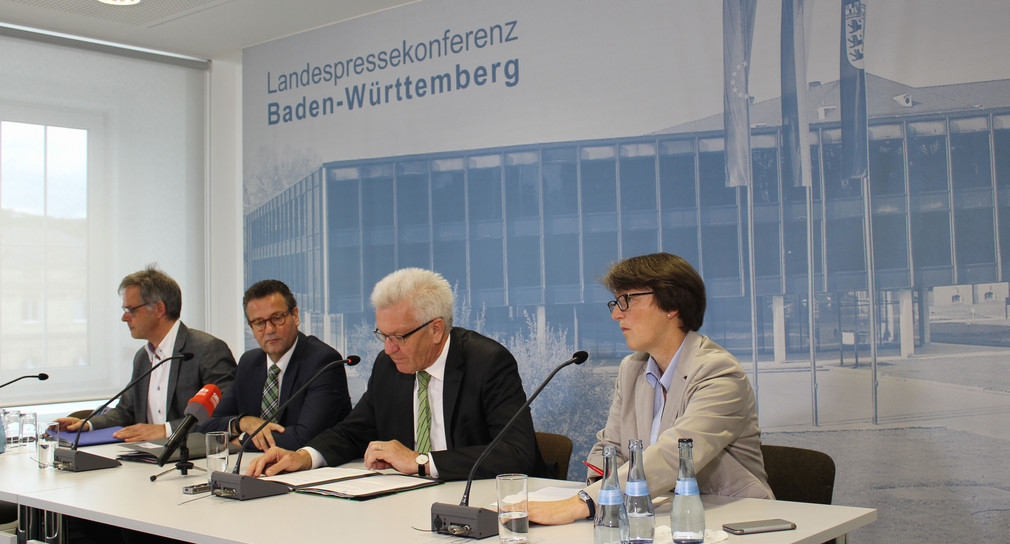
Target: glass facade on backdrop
pixel 532 227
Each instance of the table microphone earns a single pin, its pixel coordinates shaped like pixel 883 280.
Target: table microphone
pixel 41 377
pixel 198 410
pixel 472 521
pixel 233 485
pixel 79 461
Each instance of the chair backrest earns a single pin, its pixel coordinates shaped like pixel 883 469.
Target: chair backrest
pixel 799 475
pixel 81 414
pixel 556 450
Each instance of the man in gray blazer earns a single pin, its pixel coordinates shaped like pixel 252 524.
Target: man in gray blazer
pixel 152 302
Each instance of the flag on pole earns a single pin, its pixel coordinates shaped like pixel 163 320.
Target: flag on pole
pixel 737 34
pixel 853 90
pixel 795 128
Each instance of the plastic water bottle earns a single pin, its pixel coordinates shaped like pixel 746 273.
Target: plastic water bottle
pixel 611 523
pixel 637 501
pixel 687 519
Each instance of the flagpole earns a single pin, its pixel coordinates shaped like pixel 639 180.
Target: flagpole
pixel 811 306
pixel 738 31
pixel 871 285
pixel 855 151
pixel 753 289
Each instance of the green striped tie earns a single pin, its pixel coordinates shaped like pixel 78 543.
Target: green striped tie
pixel 423 442
pixel 271 392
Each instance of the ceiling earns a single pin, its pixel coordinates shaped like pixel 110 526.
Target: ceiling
pixel 206 29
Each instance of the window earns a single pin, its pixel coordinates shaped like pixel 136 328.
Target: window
pixel 44 245
pixel 95 183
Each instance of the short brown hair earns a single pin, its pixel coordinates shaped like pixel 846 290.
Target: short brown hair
pixel 675 284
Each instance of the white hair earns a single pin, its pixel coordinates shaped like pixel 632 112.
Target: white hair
pixel 428 292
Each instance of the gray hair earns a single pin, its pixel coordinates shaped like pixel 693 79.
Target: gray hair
pixel 428 293
pixel 156 286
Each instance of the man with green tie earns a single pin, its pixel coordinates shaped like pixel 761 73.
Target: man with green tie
pixel 437 396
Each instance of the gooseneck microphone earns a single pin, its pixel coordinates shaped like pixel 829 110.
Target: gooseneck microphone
pixel 198 410
pixel 476 522
pixel 79 461
pixel 236 486
pixel 41 377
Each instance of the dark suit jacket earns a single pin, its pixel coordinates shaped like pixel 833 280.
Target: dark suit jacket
pixel 212 362
pixel 322 405
pixel 482 392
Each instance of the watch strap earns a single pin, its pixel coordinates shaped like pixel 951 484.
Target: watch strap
pixel 589 502
pixel 233 426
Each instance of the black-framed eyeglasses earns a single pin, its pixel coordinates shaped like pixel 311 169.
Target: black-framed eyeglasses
pixel 624 300
pixel 128 310
pixel 398 339
pixel 277 319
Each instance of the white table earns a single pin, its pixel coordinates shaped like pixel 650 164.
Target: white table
pixel 124 496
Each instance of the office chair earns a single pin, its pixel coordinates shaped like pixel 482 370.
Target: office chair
pixel 799 475
pixel 556 450
pixel 81 414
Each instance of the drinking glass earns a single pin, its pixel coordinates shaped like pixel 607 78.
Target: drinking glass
pixel 513 509
pixel 48 441
pixel 217 451
pixel 29 428
pixel 12 425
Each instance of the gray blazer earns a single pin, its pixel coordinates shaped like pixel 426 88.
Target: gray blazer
pixel 709 401
pixel 212 363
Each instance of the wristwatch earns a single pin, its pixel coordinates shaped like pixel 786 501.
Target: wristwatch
pixel 589 502
pixel 234 430
pixel 422 461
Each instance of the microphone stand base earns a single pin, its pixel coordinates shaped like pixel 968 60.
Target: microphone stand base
pixel 79 461
pixel 237 486
pixel 466 521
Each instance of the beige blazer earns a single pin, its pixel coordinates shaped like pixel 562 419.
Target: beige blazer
pixel 710 401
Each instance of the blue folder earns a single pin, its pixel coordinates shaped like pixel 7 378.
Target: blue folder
pixel 90 438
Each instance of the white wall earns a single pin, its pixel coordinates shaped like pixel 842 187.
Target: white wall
pixel 225 318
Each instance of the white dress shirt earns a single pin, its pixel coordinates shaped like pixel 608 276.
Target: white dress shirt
pixel 435 388
pixel 157 391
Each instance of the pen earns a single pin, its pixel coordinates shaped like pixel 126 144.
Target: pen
pixel 594 467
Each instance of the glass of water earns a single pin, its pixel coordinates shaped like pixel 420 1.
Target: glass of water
pixel 513 509
pixel 217 451
pixel 29 428
pixel 48 441
pixel 12 425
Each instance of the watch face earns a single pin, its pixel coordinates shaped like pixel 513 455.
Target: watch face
pixel 421 459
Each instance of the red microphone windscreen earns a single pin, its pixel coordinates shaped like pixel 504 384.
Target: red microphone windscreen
pixel 202 405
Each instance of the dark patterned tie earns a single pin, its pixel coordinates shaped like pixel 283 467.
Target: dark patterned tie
pixel 271 392
pixel 423 443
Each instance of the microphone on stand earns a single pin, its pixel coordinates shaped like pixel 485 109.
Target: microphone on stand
pixel 79 461
pixel 41 377
pixel 198 410
pixel 473 521
pixel 233 485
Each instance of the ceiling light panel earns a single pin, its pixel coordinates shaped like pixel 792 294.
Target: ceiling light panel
pixel 147 13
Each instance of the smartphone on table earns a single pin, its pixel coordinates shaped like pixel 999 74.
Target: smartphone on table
pixel 758 526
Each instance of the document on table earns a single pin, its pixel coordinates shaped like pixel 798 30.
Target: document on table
pixel 350 483
pixel 318 476
pixel 368 486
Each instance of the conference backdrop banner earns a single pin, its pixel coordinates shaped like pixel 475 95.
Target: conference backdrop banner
pixel 837 170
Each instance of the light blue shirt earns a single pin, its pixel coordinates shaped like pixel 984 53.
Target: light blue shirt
pixel 654 378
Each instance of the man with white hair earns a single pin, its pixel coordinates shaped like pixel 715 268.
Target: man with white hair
pixel 437 396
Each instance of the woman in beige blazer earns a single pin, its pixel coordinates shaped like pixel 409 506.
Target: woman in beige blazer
pixel 677 384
